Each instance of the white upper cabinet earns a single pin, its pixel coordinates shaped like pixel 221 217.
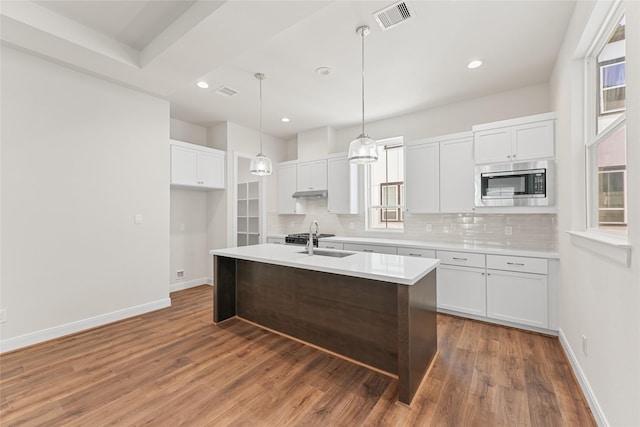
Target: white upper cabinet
pixel 342 186
pixel 457 191
pixel 526 138
pixel 312 175
pixel 439 174
pixel 195 166
pixel 422 178
pixel 286 187
pixel 533 141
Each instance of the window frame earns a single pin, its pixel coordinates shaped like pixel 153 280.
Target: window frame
pixel 399 140
pixel 592 113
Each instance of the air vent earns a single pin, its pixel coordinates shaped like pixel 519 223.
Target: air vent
pixel 394 15
pixel 226 91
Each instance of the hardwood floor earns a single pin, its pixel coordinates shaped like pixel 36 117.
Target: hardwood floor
pixel 174 367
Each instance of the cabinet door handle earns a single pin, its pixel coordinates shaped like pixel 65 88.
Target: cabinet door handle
pixel 412 254
pixel 514 156
pixel 367 250
pixel 520 264
pixel 508 156
pixel 460 259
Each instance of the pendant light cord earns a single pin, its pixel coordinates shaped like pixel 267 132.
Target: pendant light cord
pixel 261 115
pixel 363 35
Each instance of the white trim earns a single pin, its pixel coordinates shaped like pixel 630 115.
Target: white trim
pixel 262 196
pixel 609 131
pixel 190 284
pixel 514 122
pixel 607 245
pixel 80 325
pixel 596 410
pixel 396 140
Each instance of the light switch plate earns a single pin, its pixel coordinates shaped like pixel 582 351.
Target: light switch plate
pixel 137 219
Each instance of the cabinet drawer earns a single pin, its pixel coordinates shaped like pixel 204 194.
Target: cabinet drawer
pixel 461 258
pixel 276 240
pixel 425 253
pixel 517 263
pixel 330 245
pixel 370 248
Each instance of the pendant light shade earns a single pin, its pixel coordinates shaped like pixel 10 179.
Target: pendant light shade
pixel 260 165
pixel 363 149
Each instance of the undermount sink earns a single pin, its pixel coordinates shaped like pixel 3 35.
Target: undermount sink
pixel 327 253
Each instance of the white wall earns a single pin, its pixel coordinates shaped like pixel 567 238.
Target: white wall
pixel 80 157
pixel 315 143
pixel 236 139
pixel 452 118
pixel 598 297
pixel 188 216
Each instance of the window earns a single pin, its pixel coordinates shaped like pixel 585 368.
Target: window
pixel 606 129
pixel 384 187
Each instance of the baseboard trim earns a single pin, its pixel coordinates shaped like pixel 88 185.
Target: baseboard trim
pixel 598 414
pixel 190 284
pixel 80 325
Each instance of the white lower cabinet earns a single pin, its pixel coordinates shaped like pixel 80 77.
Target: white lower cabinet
pixel 424 253
pixel 518 297
pixel 379 249
pixel 330 245
pixel 462 289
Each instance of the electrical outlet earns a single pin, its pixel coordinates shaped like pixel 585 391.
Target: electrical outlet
pixel 508 230
pixel 180 274
pixel 3 315
pixel 351 226
pixel 182 227
pixel 137 219
pixel 584 344
pixel 428 228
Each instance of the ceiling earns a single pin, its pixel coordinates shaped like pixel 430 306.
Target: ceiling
pixel 165 47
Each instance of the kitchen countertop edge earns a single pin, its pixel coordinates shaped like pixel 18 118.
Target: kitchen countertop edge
pixel 406 270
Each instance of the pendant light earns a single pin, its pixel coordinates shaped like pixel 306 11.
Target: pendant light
pixel 363 149
pixel 260 164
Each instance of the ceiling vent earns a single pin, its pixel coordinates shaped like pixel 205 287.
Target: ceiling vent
pixel 394 15
pixel 226 91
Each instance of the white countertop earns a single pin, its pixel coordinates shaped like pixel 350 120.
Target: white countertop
pixel 491 250
pixel 388 268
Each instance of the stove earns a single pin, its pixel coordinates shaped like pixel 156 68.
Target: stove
pixel 303 238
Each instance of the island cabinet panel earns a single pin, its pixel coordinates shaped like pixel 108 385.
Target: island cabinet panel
pixel 417 334
pixel 224 295
pixel 385 325
pixel 351 316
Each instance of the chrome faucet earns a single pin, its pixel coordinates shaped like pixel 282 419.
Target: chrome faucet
pixel 310 241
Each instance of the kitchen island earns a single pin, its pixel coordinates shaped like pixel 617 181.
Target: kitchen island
pixel 376 309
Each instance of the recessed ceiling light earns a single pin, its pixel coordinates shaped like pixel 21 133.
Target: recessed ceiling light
pixel 285 120
pixel 474 64
pixel 202 84
pixel 323 71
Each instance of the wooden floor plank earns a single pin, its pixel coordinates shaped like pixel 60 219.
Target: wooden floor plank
pixel 174 367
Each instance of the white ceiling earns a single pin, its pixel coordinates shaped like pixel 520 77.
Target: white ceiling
pixel 165 47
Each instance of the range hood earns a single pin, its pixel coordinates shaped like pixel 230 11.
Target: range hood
pixel 310 194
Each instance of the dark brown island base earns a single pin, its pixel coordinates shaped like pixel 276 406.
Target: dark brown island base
pixel 388 326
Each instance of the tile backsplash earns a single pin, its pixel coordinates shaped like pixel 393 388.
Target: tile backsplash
pixel 527 231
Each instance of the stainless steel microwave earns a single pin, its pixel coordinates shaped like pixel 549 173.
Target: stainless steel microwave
pixel 515 184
